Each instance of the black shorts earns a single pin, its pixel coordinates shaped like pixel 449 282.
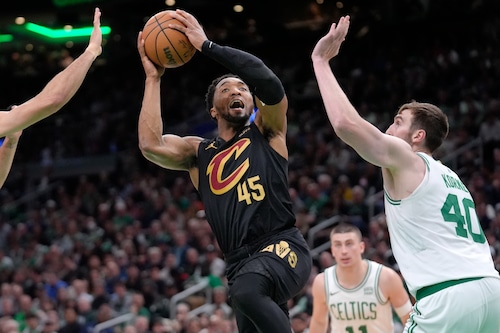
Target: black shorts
pixel 283 257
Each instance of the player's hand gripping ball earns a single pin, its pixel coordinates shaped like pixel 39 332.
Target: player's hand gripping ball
pixel 166 47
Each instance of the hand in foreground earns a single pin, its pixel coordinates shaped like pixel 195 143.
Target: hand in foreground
pixel 191 28
pixel 329 45
pixel 95 42
pixel 151 69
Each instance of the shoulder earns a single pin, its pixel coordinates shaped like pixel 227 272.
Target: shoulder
pixel 389 280
pixel 318 287
pixel 195 141
pixel 319 281
pixel 388 273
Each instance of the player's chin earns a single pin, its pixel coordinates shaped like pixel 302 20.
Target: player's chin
pixel 237 118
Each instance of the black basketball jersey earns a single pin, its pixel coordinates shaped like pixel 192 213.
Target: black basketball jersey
pixel 243 184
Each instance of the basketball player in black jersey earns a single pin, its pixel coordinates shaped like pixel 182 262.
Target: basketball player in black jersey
pixel 241 177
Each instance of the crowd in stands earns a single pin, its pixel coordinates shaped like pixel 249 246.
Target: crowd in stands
pixel 101 245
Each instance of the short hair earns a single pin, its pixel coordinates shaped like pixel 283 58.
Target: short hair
pixel 431 119
pixel 209 96
pixel 346 227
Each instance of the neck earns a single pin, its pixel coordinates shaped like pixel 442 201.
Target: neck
pixel 228 131
pixel 350 277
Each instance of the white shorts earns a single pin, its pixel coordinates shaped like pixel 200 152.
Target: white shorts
pixel 469 307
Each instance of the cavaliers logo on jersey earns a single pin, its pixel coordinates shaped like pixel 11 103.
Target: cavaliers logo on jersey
pixel 218 184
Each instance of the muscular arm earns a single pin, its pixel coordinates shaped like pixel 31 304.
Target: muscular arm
pixel 319 318
pixel 58 91
pixel 169 151
pixel 7 152
pixel 374 146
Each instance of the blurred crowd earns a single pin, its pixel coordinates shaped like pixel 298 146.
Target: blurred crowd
pixel 101 245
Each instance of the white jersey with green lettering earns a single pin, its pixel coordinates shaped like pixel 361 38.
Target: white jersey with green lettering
pixel 362 309
pixel 435 233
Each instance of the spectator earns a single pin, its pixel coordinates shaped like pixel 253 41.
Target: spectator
pixel 213 264
pixel 142 324
pixel 33 323
pixel 219 295
pixel 121 299
pixel 71 324
pixel 52 284
pixel 489 132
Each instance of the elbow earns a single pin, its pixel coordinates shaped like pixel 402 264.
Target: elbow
pixel 52 103
pixel 149 155
pixel 147 150
pixel 343 126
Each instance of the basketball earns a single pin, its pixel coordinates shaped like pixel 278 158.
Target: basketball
pixel 166 47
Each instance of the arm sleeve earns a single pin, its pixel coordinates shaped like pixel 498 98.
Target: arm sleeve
pixel 266 85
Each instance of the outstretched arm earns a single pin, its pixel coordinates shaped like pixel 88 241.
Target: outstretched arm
pixel 7 152
pixel 169 151
pixel 374 146
pixel 58 91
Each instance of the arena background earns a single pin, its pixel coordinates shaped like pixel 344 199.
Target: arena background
pixel 82 205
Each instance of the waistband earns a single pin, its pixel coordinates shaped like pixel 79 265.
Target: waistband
pixel 247 250
pixel 432 289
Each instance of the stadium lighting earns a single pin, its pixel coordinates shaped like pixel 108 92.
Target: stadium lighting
pixel 5 38
pixel 63 33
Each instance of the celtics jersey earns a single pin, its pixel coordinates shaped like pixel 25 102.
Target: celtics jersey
pixel 435 232
pixel 243 184
pixel 362 309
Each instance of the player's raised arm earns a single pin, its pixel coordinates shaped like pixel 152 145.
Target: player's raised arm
pixel 7 153
pixel 58 91
pixel 51 99
pixel 373 145
pixel 169 151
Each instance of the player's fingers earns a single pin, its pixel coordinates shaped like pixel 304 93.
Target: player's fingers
pixel 183 13
pixel 140 43
pixel 97 17
pixel 184 17
pixel 178 27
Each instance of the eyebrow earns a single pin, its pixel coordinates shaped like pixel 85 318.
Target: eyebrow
pixel 225 81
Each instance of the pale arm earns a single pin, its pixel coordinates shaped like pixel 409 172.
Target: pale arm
pixel 373 145
pixel 58 91
pixel 7 153
pixel 319 318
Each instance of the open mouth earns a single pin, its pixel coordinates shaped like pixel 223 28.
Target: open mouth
pixel 237 104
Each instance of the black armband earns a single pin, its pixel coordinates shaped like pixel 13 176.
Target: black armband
pixel 266 85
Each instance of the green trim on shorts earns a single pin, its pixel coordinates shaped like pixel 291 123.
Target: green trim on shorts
pixel 413 313
pixel 429 290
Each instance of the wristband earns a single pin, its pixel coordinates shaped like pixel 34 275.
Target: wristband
pixel 403 309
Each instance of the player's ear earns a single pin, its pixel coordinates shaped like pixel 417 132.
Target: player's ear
pixel 362 247
pixel 419 136
pixel 213 113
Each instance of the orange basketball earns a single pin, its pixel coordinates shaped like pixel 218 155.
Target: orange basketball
pixel 166 47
